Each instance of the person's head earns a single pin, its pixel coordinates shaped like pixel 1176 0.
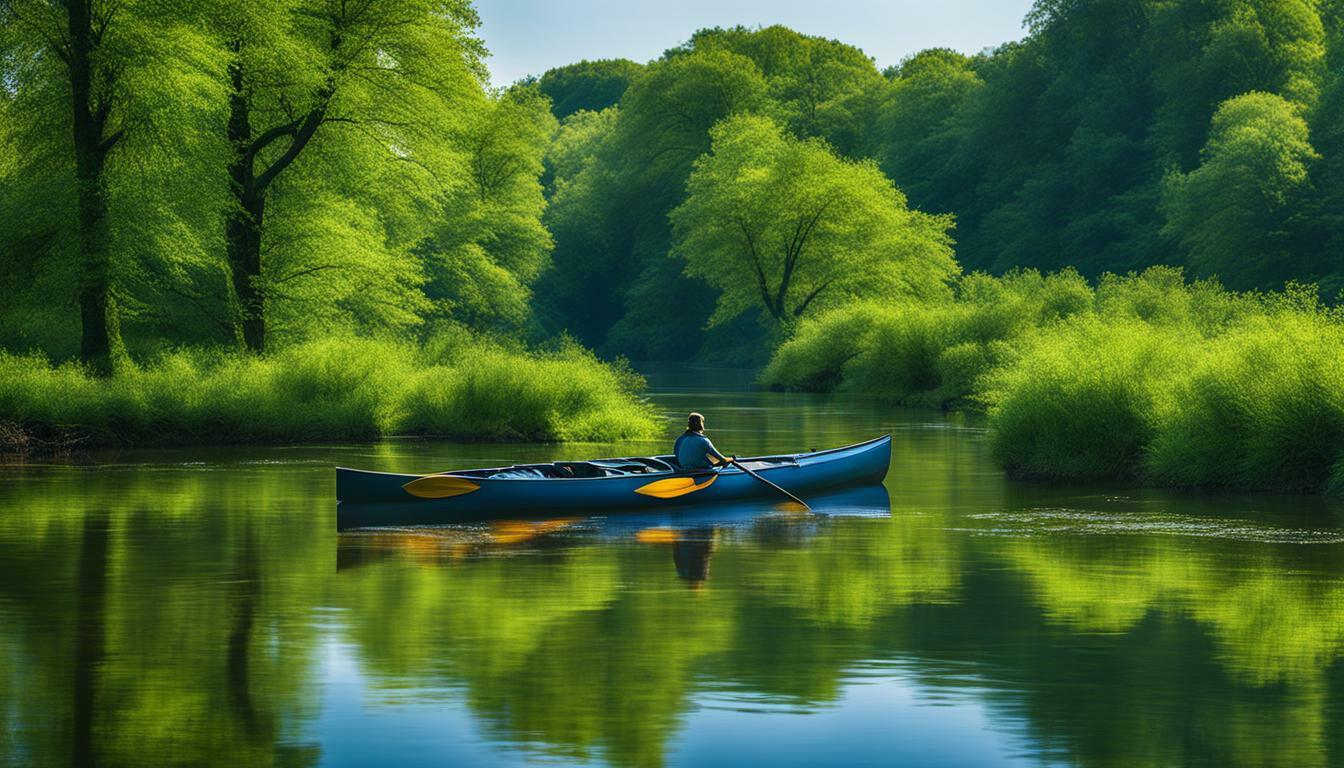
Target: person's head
pixel 695 422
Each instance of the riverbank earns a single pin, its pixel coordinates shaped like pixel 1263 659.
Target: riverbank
pixel 334 389
pixel 1143 378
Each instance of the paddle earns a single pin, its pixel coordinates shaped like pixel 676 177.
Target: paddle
pixel 743 467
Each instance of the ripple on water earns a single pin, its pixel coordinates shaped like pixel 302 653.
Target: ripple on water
pixel 1090 522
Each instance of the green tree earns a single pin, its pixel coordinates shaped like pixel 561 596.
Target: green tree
pixel 95 90
pixel 610 221
pixel 814 83
pixel 380 83
pixel 783 225
pixel 1233 214
pixel 490 244
pixel 575 145
pixel 918 120
pixel 587 85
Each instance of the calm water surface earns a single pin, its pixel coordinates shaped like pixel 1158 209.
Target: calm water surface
pixel 197 607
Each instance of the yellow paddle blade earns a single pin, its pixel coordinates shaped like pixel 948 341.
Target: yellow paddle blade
pixel 439 486
pixel 657 536
pixel 673 487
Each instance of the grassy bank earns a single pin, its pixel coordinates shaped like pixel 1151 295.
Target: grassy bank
pixel 1143 377
pixel 336 389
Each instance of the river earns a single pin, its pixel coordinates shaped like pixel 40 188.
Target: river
pixel 198 607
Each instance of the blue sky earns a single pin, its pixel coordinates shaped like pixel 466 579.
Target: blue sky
pixel 530 36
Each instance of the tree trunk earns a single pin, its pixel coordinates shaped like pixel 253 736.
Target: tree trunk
pixel 244 251
pixel 244 228
pixel 243 243
pixel 96 328
pixel 242 233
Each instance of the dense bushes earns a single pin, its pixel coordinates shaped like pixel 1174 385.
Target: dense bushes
pixel 924 353
pixel 452 386
pixel 1144 377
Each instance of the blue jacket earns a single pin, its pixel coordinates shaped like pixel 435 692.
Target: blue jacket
pixel 693 450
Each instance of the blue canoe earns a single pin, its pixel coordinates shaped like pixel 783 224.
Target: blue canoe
pixel 643 483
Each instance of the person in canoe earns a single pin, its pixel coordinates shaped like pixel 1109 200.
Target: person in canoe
pixel 693 450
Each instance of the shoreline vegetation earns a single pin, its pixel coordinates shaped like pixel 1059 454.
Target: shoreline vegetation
pixel 253 210
pixel 1142 378
pixel 451 386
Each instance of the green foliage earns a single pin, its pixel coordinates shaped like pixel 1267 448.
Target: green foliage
pixel 567 394
pixel 161 182
pixel 1233 213
pixel 1260 406
pixel 384 186
pixel 575 144
pixel 815 84
pixel 610 218
pixel 489 248
pixel 917 120
pixel 1253 404
pixel 1078 403
pixel 1146 377
pixel 338 388
pixel 782 225
pixel 1077 146
pixel 1053 151
pixel 353 124
pixel 587 85
pixel 613 286
pixel 925 352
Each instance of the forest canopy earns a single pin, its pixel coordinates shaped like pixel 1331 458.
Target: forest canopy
pixel 1116 135
pixel 257 174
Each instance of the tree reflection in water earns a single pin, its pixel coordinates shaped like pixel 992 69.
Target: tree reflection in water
pixel 169 616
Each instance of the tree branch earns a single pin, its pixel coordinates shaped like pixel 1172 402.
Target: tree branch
pixel 262 141
pixel 58 43
pixel 814 294
pixel 302 135
pixel 106 144
pixel 756 265
pixel 794 250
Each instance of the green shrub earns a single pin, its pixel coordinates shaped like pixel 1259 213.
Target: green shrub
pixel 1078 401
pixel 334 389
pixel 899 358
pixel 816 355
pixel 1146 377
pixel 565 395
pixel 1261 408
pixel 928 353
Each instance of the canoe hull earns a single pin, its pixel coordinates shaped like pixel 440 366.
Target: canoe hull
pixel 359 492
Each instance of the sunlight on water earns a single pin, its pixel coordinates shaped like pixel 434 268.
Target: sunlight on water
pixel 1091 522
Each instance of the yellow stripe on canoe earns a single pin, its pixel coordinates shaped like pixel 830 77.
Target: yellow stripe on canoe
pixel 673 487
pixel 439 486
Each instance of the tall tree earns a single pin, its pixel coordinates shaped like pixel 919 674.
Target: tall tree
pixel 785 226
pixel 97 91
pixel 385 73
pixel 610 221
pixel 918 122
pixel 77 42
pixel 1233 214
pixel 587 85
pixel 814 83
pixel 490 244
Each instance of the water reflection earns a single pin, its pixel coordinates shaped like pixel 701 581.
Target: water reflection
pixel 165 613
